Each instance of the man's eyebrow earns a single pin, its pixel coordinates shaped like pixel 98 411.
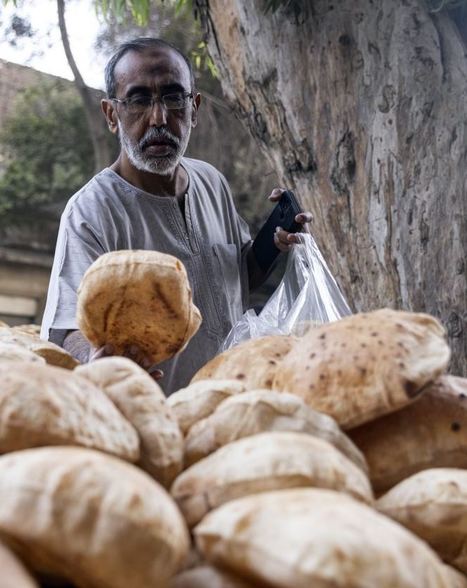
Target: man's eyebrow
pixel 164 89
pixel 138 90
pixel 174 87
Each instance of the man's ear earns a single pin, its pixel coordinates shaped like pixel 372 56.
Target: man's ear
pixel 110 114
pixel 194 110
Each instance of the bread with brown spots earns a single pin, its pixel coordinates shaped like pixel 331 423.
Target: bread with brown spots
pixel 433 505
pixel 429 433
pixel 267 461
pixel 365 365
pixel 47 405
pixel 142 402
pixel 140 298
pixel 254 362
pixel 310 537
pixel 89 518
pixel 258 411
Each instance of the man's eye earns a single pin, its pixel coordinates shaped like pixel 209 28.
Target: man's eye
pixel 177 99
pixel 140 101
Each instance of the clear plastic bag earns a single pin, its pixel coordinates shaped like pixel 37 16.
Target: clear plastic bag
pixel 307 296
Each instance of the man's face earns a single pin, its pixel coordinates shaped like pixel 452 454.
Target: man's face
pixel 156 139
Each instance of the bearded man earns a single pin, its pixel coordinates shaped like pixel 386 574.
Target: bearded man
pixel 154 198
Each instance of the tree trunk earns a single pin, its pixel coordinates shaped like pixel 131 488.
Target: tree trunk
pixel 362 108
pixel 94 117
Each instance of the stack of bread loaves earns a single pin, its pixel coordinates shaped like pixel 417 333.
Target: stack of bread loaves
pixel 278 495
pixel 102 478
pixel 88 454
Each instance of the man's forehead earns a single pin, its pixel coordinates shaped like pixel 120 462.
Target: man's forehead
pixel 153 66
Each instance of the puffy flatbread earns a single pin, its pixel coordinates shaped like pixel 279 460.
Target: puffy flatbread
pixel 428 433
pixel 254 362
pixel 259 411
pixel 14 352
pixel 433 505
pixel 365 365
pixel 308 537
pixel 142 402
pixel 53 354
pixel 267 461
pixel 140 298
pixel 89 518
pixel 47 405
pixel 198 400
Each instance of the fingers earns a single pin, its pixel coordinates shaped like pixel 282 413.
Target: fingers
pixel 276 194
pixel 282 241
pixel 304 217
pixel 138 356
pixel 103 351
pixel 155 373
pixel 135 354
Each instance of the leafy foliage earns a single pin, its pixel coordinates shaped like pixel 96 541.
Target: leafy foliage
pixel 48 149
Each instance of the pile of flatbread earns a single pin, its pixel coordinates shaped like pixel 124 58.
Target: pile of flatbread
pixel 333 459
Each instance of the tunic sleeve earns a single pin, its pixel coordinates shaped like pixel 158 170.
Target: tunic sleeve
pixel 78 246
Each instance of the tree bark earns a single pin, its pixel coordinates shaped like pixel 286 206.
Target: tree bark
pixel 361 107
pixel 95 120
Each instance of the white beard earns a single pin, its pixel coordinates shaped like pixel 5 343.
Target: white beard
pixel 163 166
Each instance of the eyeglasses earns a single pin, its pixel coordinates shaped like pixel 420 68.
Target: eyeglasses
pixel 141 103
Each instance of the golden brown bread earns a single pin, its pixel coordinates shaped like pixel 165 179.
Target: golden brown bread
pixel 308 537
pixel 143 404
pixel 90 518
pixel 140 298
pixel 429 433
pixel 47 405
pixel 365 365
pixel 433 505
pixel 259 411
pixel 253 362
pixel 267 461
pixel 198 400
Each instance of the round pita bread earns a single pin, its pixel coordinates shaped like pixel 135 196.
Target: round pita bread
pixel 429 433
pixel 253 362
pixel 46 405
pixel 267 461
pixel 140 298
pixel 365 365
pixel 259 411
pixel 308 537
pixel 53 354
pixel 89 518
pixel 142 402
pixel 14 352
pixel 433 505
pixel 198 400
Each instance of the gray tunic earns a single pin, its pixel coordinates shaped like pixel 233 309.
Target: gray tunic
pixel 109 214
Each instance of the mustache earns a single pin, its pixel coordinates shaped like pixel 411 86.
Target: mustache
pixel 153 135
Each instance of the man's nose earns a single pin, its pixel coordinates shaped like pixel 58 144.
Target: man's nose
pixel 158 114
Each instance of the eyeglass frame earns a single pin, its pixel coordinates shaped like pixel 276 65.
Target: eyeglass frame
pixel 155 99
